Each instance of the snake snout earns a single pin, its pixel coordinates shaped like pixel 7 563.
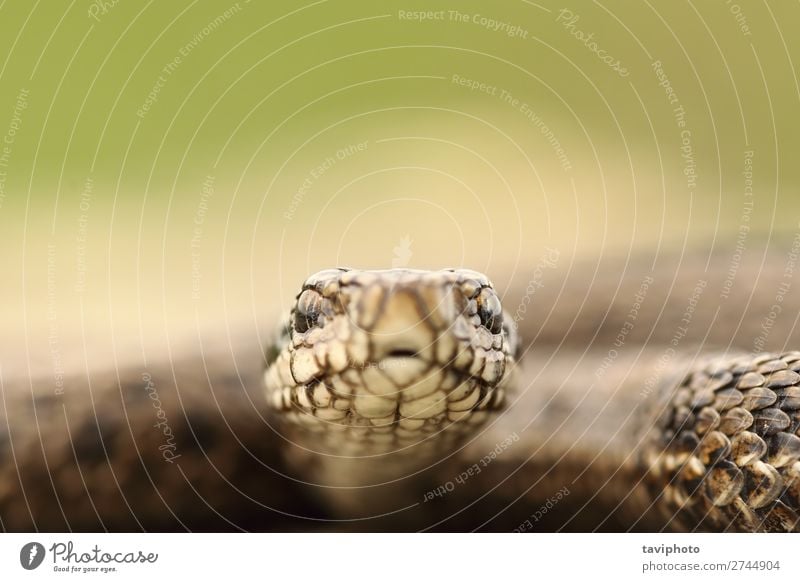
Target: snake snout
pixel 381 360
pixel 401 329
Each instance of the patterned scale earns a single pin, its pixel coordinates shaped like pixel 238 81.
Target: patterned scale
pixel 728 447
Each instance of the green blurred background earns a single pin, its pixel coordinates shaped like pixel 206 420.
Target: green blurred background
pixel 175 166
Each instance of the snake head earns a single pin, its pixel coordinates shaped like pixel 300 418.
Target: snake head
pixel 392 355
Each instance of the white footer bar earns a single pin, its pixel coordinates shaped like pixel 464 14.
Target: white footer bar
pixel 406 557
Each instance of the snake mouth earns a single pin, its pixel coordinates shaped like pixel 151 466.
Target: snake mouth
pixel 401 353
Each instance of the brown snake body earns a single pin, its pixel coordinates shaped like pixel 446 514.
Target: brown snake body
pixel 642 402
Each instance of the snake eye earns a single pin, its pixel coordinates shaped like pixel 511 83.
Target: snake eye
pixel 308 310
pixel 490 311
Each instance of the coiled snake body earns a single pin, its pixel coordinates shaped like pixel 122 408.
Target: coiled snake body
pixel 407 399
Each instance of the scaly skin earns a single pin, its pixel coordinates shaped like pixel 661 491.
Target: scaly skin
pixel 633 451
pixel 390 366
pixel 725 454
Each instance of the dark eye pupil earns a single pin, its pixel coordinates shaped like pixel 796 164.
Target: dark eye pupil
pixel 307 313
pixel 305 321
pixel 490 312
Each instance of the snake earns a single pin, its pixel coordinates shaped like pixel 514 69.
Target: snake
pixel 657 393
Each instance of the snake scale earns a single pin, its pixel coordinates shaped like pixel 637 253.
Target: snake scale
pixel 647 393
